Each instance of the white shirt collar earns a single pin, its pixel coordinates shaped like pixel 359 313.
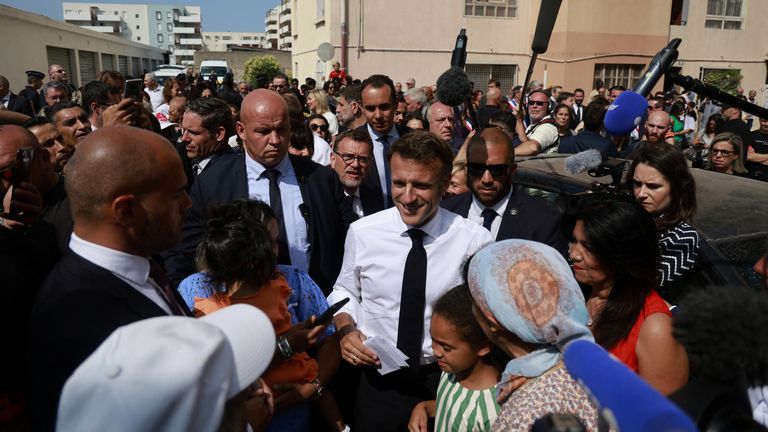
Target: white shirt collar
pixel 130 267
pixel 499 207
pixel 433 228
pixel 284 166
pixel 376 135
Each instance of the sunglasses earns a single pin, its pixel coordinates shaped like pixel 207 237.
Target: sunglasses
pixel 315 127
pixel 725 153
pixel 538 103
pixel 478 170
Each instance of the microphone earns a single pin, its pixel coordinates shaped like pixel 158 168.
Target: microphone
pixel 631 107
pixel 583 161
pixel 459 56
pixel 544 25
pixel 454 87
pixel 624 400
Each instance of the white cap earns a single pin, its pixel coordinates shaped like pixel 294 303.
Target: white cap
pixel 168 373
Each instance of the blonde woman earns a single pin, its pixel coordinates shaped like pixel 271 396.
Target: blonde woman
pixel 725 154
pixel 317 102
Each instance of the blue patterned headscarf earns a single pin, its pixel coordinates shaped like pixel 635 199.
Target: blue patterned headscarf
pixel 529 289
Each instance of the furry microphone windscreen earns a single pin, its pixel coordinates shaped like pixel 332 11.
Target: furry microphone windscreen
pixel 453 87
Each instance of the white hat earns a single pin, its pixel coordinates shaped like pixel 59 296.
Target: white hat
pixel 168 373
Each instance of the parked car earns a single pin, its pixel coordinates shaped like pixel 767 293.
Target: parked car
pixel 221 67
pixel 731 218
pixel 164 72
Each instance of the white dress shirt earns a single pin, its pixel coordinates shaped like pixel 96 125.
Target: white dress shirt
pixel 374 259
pixel 155 97
pixel 322 154
pixel 475 213
pixel 131 269
pixel 290 195
pixel 357 205
pixel 379 156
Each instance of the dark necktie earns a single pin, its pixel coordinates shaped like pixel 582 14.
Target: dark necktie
pixel 276 202
pixel 163 287
pixel 411 323
pixel 488 216
pixel 384 140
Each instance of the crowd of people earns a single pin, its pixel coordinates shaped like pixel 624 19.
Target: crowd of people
pixel 222 257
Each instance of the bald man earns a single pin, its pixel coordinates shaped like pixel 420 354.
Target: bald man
pixel 491 107
pixel 441 121
pixel 657 126
pixel 493 202
pixel 313 213
pixel 127 193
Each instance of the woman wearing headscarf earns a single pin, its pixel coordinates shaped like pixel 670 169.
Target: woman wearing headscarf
pixel 528 304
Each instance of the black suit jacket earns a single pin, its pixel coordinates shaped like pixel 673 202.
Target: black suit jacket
pixel 372 180
pixel 19 104
pixel 329 215
pixel 79 306
pixel 370 200
pixel 524 218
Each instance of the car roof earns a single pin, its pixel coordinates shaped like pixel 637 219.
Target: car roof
pixel 728 207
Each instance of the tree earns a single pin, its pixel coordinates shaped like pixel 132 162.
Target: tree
pixel 726 80
pixel 255 67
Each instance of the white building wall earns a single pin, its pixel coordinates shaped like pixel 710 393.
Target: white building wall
pixel 135 20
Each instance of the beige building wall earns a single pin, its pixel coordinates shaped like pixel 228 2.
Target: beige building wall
pixel 311 24
pixel 26 36
pixel 745 49
pixel 418 42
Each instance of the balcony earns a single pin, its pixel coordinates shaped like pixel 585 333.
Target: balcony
pixel 285 19
pixel 104 17
pixel 189 18
pixel 285 8
pixel 285 32
pixel 183 52
pixel 184 30
pixel 103 29
pixel 76 16
pixel 190 41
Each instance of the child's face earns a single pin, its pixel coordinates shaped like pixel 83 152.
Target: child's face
pixel 453 354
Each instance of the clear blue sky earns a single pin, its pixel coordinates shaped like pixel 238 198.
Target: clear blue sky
pixel 218 15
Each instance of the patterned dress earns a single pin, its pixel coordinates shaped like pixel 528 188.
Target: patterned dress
pixel 460 409
pixel 552 392
pixel 679 249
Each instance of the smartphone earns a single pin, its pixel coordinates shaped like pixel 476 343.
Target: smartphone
pixel 327 316
pixel 133 89
pixel 21 172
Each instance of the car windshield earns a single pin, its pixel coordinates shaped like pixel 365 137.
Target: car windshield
pixel 220 70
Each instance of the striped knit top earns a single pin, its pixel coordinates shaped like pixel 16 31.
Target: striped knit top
pixel 460 409
pixel 679 249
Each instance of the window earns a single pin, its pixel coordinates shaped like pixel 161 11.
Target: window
pixel 137 15
pixel 159 15
pixel 226 37
pixel 723 14
pixel 168 15
pixel 481 73
pixel 246 38
pixel 626 75
pixel 160 38
pixel 138 38
pixel 159 27
pixel 115 12
pixel 170 27
pixel 491 8
pixel 320 10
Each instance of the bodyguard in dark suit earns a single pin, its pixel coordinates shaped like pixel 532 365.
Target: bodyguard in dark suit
pixel 313 213
pixel 379 106
pixel 12 101
pixel 352 158
pixel 126 191
pixel 31 91
pixel 494 203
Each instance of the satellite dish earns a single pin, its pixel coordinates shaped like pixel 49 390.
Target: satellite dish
pixel 325 51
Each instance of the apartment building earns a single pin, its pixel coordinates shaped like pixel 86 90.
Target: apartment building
pixel 606 39
pixel 277 26
pixel 170 27
pixel 225 41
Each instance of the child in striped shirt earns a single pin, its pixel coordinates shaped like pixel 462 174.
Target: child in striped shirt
pixel 466 395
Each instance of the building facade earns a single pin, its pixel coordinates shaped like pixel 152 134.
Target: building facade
pixel 277 26
pixel 173 28
pixel 224 41
pixel 592 39
pixel 35 41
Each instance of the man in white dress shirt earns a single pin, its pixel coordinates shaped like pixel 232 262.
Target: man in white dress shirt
pixel 154 90
pixel 377 275
pixel 127 193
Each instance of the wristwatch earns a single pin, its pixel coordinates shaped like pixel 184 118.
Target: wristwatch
pixel 318 387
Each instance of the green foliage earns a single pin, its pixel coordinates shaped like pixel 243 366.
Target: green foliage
pixel 726 80
pixel 263 65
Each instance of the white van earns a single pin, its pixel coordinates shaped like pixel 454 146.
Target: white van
pixel 164 72
pixel 219 66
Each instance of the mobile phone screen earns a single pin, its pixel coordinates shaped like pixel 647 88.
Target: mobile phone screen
pixel 133 89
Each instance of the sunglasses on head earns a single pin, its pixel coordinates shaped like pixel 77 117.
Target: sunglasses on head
pixel 315 126
pixel 478 170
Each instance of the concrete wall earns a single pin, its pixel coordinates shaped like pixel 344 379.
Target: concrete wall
pixel 237 59
pixel 309 32
pixel 127 12
pixel 26 36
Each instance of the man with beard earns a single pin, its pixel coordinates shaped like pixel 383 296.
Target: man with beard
pixel 492 201
pixel 72 121
pixel 541 134
pixel 350 110
pixel 656 128
pixel 351 160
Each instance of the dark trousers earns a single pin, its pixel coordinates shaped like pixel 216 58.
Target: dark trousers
pixel 384 403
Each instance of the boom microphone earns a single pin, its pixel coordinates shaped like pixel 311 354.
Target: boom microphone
pixel 622 397
pixel 630 108
pixel 544 25
pixel 453 87
pixel 459 55
pixel 583 161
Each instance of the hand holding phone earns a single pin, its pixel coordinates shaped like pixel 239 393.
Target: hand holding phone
pixel 326 317
pixel 133 89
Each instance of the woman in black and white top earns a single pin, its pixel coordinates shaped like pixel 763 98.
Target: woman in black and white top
pixel 661 182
